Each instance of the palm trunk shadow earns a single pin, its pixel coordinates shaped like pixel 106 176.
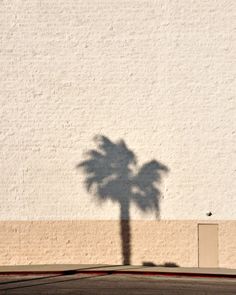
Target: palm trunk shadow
pixel 125 232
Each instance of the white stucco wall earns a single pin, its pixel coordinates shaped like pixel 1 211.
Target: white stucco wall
pixel 158 74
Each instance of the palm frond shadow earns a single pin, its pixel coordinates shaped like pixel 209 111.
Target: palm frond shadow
pixel 112 173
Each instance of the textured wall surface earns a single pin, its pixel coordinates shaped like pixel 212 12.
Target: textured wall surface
pixel 158 74
pixel 71 242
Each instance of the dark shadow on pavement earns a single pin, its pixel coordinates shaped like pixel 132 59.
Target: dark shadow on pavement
pixel 166 264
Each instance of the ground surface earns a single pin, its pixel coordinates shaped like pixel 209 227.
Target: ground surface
pixel 114 284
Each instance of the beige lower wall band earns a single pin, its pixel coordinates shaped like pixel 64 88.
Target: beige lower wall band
pixel 99 242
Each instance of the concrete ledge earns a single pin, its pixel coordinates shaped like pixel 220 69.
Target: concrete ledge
pixel 116 269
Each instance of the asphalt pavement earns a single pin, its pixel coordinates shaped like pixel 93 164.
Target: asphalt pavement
pixel 115 284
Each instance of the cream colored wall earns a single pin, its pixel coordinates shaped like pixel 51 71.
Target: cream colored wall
pixel 158 74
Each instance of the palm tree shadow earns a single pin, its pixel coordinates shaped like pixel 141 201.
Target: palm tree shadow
pixel 112 173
